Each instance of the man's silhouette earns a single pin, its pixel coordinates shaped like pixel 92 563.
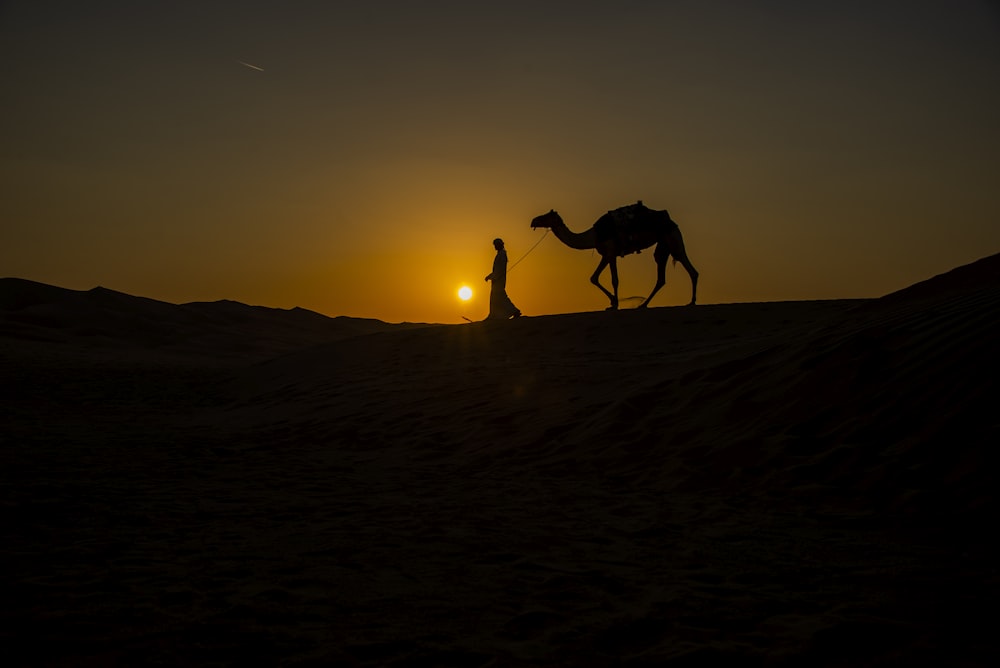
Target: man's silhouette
pixel 501 307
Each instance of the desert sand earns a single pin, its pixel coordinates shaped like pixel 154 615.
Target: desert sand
pixel 783 483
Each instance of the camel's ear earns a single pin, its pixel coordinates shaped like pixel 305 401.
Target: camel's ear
pixel 552 210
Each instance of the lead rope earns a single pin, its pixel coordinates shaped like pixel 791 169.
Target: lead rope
pixel 511 268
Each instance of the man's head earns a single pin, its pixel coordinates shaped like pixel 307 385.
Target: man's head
pixel 498 244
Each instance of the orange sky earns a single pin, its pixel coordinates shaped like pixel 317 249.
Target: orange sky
pixel 806 153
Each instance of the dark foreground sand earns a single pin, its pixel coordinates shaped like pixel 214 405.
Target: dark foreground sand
pixel 794 483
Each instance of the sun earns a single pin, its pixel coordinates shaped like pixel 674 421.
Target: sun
pixel 465 293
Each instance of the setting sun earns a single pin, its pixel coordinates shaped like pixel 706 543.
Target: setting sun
pixel 465 293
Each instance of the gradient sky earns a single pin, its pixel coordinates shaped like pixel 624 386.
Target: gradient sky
pixel 807 150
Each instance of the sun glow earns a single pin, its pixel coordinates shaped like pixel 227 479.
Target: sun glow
pixel 465 293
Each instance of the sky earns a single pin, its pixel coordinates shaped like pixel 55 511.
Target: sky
pixel 358 158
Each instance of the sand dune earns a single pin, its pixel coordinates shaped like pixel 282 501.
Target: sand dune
pixel 782 483
pixel 118 324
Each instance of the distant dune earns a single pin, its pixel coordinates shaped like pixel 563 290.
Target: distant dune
pixel 105 320
pixel 780 483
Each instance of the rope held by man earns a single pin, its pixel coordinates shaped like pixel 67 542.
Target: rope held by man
pixel 511 267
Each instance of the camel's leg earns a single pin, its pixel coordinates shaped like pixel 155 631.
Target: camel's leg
pixel 680 254
pixel 661 254
pixel 614 282
pixel 693 273
pixel 595 279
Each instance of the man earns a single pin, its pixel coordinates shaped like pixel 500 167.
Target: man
pixel 501 307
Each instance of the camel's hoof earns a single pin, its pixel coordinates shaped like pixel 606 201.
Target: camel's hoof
pixel 642 305
pixel 613 307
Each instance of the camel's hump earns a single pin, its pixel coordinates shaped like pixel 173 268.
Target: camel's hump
pixel 632 227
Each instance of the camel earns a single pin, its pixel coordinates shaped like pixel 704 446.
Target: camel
pixel 629 229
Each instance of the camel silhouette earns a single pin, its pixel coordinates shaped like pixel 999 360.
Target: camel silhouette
pixel 628 229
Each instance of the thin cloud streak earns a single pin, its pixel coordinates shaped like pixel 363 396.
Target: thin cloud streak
pixel 253 67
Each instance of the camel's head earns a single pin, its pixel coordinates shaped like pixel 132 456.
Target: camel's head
pixel 550 219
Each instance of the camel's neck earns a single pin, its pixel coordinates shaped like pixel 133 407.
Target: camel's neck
pixel 580 241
